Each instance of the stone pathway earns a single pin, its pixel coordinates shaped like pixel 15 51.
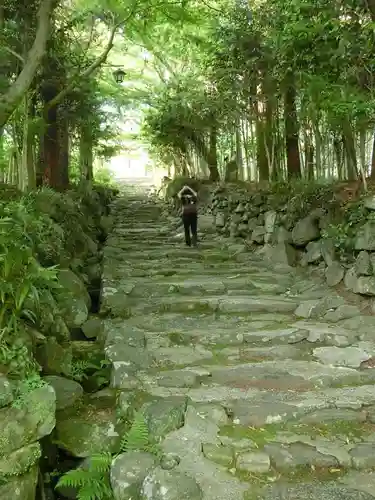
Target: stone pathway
pixel 255 402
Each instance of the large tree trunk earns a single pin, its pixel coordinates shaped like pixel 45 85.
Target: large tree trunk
pixel 291 130
pixel 10 100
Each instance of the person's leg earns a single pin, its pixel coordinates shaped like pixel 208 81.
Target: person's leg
pixel 194 228
pixel 186 222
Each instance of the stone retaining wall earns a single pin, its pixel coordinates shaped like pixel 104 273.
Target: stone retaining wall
pixel 303 242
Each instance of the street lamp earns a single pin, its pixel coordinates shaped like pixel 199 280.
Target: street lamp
pixel 119 75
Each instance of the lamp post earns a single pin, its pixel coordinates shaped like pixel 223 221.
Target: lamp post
pixel 119 75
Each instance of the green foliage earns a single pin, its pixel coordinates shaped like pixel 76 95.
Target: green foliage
pixel 92 480
pixel 299 198
pixel 22 278
pixel 138 437
pixel 343 232
pixel 27 385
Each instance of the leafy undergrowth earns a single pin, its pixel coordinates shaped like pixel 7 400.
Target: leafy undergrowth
pixel 92 479
pixel 39 231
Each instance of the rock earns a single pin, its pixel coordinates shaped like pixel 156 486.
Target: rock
pixel 256 462
pixel 365 238
pixel 365 285
pixel 350 278
pixel 221 455
pixel 94 427
pixel 363 456
pixel 312 491
pixel 281 253
pixel 304 231
pixel 128 472
pixel 220 220
pixel 369 202
pixel 6 391
pixel 67 391
pixel 178 378
pixel 341 356
pixel 316 308
pixel 32 418
pixel 342 312
pixel 170 485
pixel 21 487
pixel 362 264
pixel 258 234
pixel 165 415
pixel 328 251
pixel 20 461
pixel 313 252
pixel 270 221
pixel 93 328
pixel 55 359
pixel 73 299
pixel 334 274
pixel 284 457
pixel 169 461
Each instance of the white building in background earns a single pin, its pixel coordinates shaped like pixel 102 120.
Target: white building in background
pixel 134 161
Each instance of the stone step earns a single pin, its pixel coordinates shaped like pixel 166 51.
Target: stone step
pixel 122 305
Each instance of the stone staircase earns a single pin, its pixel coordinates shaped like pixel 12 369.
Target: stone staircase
pixel 250 401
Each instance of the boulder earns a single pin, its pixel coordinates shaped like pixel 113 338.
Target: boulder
pixel 28 420
pixel 128 472
pixel 334 274
pixel 55 359
pixel 20 461
pixel 305 230
pixel 328 250
pixel 89 427
pixel 170 485
pixel 67 391
pixel 314 252
pixel 365 285
pixel 165 415
pixel 93 328
pixel 362 265
pixel 365 238
pixel 72 299
pixel 20 487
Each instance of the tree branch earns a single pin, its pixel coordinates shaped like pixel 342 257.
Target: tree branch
pixel 88 71
pixel 11 51
pixel 16 91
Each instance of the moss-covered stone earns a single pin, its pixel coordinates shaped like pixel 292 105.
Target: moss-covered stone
pixel 20 461
pixel 73 299
pixel 32 418
pixel 20 487
pixel 89 428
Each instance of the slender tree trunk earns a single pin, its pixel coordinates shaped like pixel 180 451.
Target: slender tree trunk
pixel 63 130
pixel 86 152
pixel 309 155
pixel 372 174
pixel 212 156
pixel 350 150
pixel 291 130
pixel 28 144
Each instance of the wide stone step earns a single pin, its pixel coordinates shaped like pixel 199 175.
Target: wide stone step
pixel 123 306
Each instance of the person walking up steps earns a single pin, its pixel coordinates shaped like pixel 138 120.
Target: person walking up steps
pixel 189 200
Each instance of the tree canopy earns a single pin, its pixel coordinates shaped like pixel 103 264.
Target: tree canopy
pixel 223 88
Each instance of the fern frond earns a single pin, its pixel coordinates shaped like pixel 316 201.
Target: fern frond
pixel 138 436
pixel 100 462
pixel 73 479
